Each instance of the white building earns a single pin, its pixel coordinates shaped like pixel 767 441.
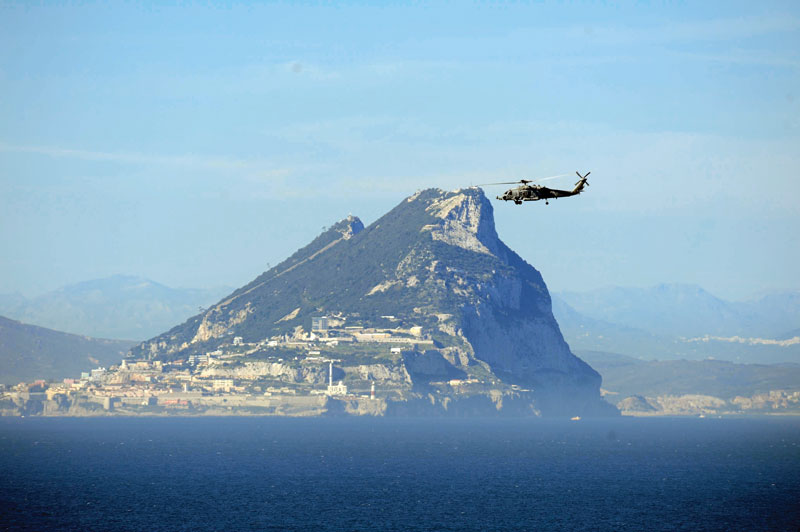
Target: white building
pixel 319 324
pixel 337 389
pixel 223 385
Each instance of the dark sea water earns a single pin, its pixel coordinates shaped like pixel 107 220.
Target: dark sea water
pixel 388 474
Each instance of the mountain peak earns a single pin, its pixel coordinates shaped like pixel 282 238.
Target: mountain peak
pixel 117 282
pixel 467 221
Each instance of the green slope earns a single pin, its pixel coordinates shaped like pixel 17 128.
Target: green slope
pixel 28 352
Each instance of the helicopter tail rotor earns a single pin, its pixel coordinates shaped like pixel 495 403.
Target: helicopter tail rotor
pixel 582 182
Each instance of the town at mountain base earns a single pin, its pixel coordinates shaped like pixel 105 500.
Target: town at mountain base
pixel 424 312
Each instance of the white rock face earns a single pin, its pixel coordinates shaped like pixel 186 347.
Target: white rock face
pixel 465 223
pixel 382 287
pixel 254 370
pixel 214 325
pixel 312 374
pixel 380 373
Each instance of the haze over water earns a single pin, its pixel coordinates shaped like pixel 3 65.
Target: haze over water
pixel 399 474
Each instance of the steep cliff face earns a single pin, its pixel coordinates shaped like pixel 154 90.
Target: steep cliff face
pixel 434 261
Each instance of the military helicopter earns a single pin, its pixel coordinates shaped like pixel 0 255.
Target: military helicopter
pixel 533 192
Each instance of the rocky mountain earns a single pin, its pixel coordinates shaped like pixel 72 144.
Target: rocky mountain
pixel 121 306
pixel 435 262
pixel 28 352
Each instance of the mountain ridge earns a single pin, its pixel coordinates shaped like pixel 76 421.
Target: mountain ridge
pixel 119 306
pixel 667 321
pixel 688 310
pixel 29 352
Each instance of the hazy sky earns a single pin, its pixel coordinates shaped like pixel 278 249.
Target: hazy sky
pixel 194 145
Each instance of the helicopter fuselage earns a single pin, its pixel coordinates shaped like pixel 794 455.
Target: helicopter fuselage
pixel 528 191
pixel 534 193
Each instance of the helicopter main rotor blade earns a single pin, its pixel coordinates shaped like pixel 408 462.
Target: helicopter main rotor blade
pixel 524 181
pixel 551 177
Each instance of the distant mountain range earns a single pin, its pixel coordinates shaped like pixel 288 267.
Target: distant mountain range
pixel 28 352
pixel 671 321
pixel 688 310
pixel 121 306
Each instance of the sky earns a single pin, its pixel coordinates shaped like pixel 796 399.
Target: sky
pixel 197 144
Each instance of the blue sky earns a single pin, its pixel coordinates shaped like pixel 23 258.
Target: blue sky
pixel 196 144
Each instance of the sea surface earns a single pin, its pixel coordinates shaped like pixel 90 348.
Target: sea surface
pixel 228 474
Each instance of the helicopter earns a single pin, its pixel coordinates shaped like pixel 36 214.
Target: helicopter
pixel 533 192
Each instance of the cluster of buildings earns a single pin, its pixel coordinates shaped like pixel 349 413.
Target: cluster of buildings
pixel 287 365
